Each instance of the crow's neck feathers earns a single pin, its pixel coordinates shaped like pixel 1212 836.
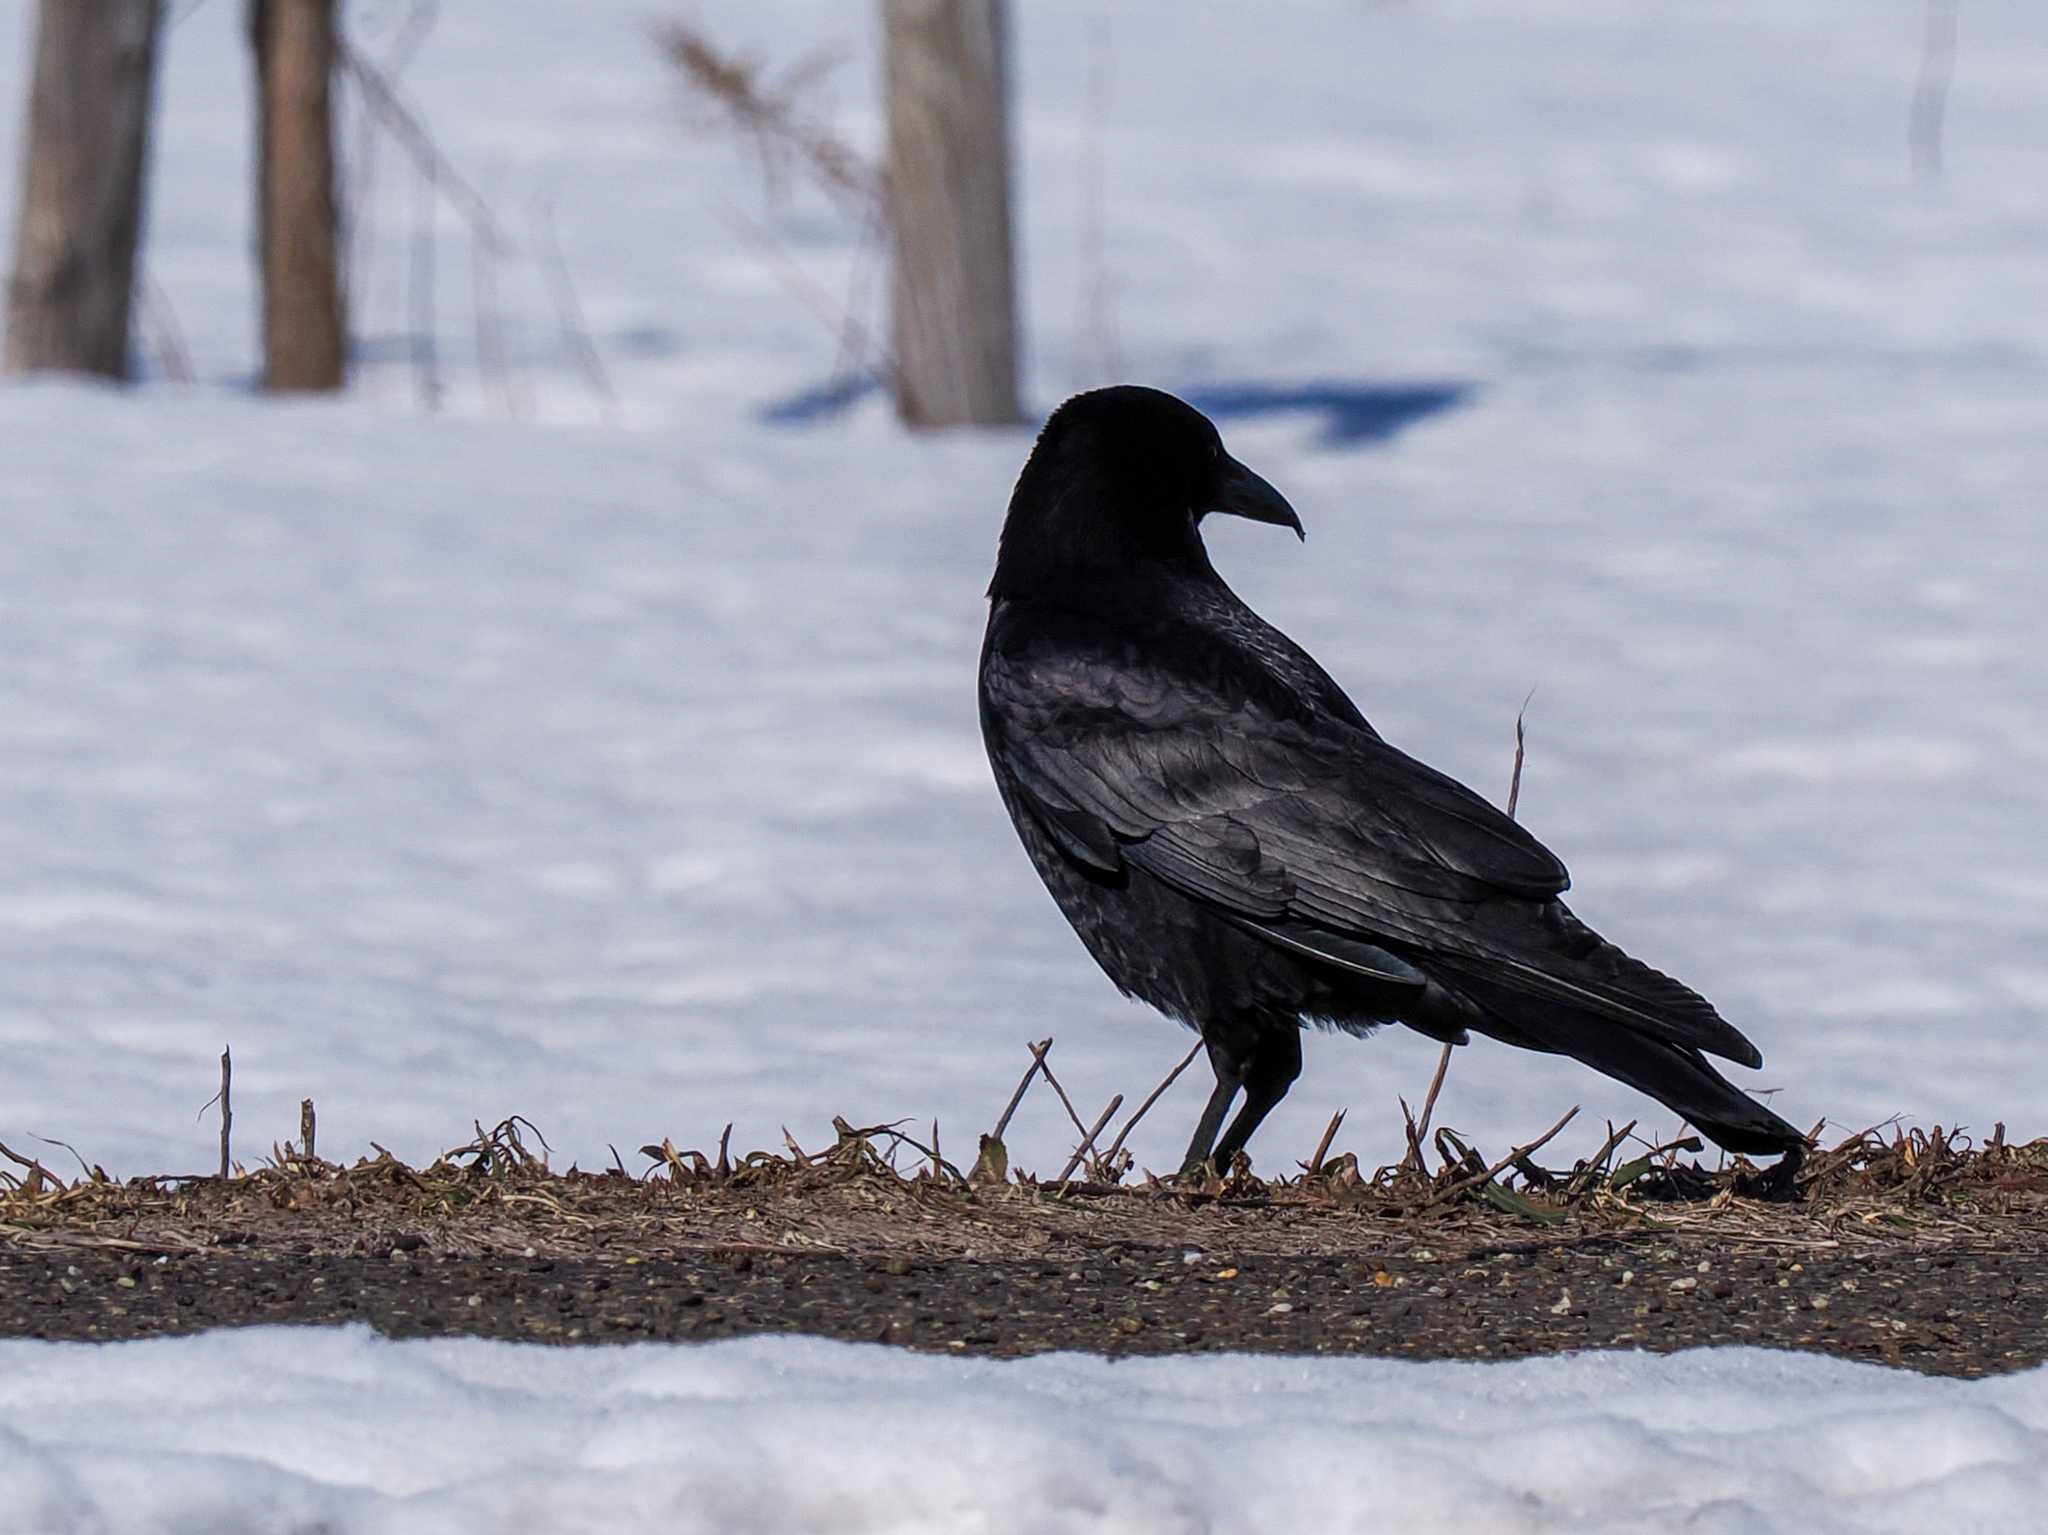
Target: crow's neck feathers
pixel 1077 529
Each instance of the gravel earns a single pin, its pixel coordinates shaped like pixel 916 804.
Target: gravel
pixel 1954 1312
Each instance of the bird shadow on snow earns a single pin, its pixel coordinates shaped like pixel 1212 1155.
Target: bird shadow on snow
pixel 1354 413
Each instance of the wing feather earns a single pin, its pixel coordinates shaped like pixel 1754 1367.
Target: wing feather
pixel 1320 836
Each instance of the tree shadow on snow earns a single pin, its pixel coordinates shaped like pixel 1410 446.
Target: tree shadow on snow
pixel 821 402
pixel 1354 414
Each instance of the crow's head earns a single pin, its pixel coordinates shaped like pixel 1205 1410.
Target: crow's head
pixel 1119 480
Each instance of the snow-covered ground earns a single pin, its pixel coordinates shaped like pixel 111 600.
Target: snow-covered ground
pixel 615 764
pixel 267 1434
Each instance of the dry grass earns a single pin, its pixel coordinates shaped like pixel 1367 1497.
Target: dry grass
pixel 879 1190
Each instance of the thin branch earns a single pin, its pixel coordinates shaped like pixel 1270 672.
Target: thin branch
pixel 1117 1145
pixel 941 1166
pixel 410 33
pixel 1515 781
pixel 489 322
pixel 1037 1060
pixel 161 322
pixel 1088 1139
pixel 1598 1167
pixel 420 288
pixel 36 1170
pixel 870 257
pixel 1502 1165
pixel 1097 357
pixel 853 337
pixel 405 125
pixel 1314 1165
pixel 227 1107
pixel 540 212
pixel 1065 1101
pixel 1436 1083
pixel 773 116
pixel 92 1173
pixel 1928 117
pixel 1417 1131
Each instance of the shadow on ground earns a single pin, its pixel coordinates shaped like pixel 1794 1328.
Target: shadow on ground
pixel 1354 413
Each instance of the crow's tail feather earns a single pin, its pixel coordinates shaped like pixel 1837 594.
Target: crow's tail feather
pixel 1677 1076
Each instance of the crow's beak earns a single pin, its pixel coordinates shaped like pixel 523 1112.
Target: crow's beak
pixel 1243 494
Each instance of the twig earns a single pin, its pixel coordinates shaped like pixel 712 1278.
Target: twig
pixel 562 290
pixel 1515 781
pixel 1925 122
pixel 92 1173
pixel 1436 1083
pixel 421 290
pixel 1502 1165
pixel 724 1168
pixel 162 323
pixel 1088 1139
pixel 489 321
pixel 853 337
pixel 1117 1145
pixel 1417 1131
pixel 850 1135
pixel 940 1165
pixel 227 1107
pixel 773 116
pixel 1097 357
pixel 306 1127
pixel 411 31
pixel 1314 1165
pixel 1068 1103
pixel 1037 1060
pixel 1597 1166
pixel 1456 1153
pixel 870 255
pixel 405 125
pixel 38 1174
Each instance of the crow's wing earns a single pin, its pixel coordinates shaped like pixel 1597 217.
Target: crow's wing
pixel 1307 829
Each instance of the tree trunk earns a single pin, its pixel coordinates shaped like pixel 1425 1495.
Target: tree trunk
pixel 305 337
pixel 953 307
pixel 81 187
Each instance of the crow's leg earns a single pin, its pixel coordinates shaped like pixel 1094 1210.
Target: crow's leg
pixel 1227 1059
pixel 1275 1063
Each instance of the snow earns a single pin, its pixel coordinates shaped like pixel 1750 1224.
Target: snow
pixel 804 1434
pixel 614 763
pixel 610 758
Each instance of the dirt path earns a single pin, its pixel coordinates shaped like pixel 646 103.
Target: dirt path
pixel 1957 1312
pixel 1913 1251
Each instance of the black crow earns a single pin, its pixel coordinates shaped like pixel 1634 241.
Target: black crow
pixel 1236 845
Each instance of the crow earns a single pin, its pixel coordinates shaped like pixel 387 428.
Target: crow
pixel 1236 845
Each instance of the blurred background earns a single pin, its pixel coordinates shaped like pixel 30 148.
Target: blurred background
pixel 496 501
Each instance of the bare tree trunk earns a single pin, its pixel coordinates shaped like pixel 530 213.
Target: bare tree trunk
pixel 305 337
pixel 81 187
pixel 953 307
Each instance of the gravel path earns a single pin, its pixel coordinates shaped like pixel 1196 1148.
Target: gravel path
pixel 1955 1312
